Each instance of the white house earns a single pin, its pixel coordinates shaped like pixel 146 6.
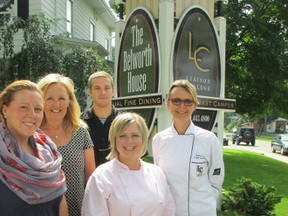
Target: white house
pixel 279 125
pixel 90 23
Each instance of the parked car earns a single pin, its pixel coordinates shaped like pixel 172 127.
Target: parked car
pixel 280 143
pixel 246 135
pixel 225 141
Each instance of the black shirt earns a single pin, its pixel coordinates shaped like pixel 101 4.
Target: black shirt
pixel 12 205
pixel 99 133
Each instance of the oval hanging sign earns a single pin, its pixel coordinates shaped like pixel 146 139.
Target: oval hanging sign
pixel 196 57
pixel 138 66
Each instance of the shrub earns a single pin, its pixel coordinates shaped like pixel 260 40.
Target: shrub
pixel 250 198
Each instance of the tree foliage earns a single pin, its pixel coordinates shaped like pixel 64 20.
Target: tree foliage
pixel 115 5
pixel 257 55
pixel 86 62
pixel 250 198
pixel 42 53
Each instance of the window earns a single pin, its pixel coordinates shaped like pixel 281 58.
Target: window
pixel 108 47
pixel 107 43
pixel 92 32
pixel 23 9
pixel 69 17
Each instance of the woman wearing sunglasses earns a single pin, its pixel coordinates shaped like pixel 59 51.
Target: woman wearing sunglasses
pixel 190 157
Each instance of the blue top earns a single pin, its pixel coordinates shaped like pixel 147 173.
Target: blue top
pixel 12 205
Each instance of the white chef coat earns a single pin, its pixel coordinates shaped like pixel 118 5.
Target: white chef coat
pixel 114 190
pixel 193 165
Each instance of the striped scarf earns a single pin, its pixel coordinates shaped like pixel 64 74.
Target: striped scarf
pixel 34 179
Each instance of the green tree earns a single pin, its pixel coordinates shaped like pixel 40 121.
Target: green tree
pixel 257 55
pixel 42 53
pixel 9 26
pixel 38 55
pixel 116 6
pixel 79 65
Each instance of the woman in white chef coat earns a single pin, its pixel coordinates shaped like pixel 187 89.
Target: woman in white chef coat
pixel 190 157
pixel 126 185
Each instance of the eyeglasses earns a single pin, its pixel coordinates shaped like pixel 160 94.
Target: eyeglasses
pixel 178 101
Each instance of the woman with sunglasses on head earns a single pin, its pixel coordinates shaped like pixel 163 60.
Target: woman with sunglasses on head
pixel 190 157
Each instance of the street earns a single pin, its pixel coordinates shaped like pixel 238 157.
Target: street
pixel 262 147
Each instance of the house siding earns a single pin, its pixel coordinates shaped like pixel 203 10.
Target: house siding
pixel 102 32
pixel 34 6
pixel 49 8
pixel 82 15
pixel 55 10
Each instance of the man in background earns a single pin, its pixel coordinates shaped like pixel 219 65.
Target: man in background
pixel 100 116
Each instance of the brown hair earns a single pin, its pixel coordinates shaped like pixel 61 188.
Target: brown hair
pixel 7 95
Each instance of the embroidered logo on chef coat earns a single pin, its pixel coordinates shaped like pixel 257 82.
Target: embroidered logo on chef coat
pixel 199 170
pixel 199 157
pixel 200 163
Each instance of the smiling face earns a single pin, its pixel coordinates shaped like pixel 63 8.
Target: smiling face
pixel 56 102
pixel 129 144
pixel 24 114
pixel 101 91
pixel 181 112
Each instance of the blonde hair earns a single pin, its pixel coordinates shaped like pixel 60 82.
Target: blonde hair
pixel 7 95
pixel 72 120
pixel 120 123
pixel 188 86
pixel 98 74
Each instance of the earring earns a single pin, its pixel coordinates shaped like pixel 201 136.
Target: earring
pixel 5 116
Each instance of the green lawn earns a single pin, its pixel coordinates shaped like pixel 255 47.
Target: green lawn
pixel 265 137
pixel 259 168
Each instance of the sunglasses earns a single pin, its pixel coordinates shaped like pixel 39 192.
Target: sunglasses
pixel 178 101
